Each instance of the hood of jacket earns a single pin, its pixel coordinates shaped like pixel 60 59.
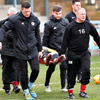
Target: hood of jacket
pixel 54 19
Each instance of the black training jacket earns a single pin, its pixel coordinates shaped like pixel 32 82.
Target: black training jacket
pixel 26 36
pixel 76 37
pixel 7 43
pixel 54 32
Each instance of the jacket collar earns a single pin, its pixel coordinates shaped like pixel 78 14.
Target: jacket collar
pixel 54 19
pixel 22 17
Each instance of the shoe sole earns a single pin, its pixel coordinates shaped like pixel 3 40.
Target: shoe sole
pixel 34 97
pixel 8 93
pixel 71 97
pixel 64 91
pixel 48 91
pixel 83 97
pixel 30 99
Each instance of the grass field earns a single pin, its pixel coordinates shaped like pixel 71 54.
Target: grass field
pixel 93 90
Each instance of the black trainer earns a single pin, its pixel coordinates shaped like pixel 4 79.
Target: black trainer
pixel 83 94
pixel 16 89
pixel 7 92
pixel 71 96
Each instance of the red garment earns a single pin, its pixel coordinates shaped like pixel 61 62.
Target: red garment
pixel 15 83
pixel 70 91
pixel 41 61
pixel 83 88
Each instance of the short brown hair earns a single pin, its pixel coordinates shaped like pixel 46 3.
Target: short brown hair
pixel 25 4
pixel 57 8
pixel 73 1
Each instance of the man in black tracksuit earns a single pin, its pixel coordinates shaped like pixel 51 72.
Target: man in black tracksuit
pixel 71 17
pixel 76 40
pixel 27 44
pixel 9 69
pixel 9 65
pixel 53 36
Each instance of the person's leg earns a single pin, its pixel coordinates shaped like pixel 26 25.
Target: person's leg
pixel 85 63
pixel 15 75
pixel 63 75
pixel 49 72
pixel 72 72
pixel 23 74
pixel 34 63
pixel 6 73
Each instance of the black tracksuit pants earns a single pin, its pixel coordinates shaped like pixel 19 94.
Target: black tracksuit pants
pixel 23 68
pixel 73 68
pixel 9 71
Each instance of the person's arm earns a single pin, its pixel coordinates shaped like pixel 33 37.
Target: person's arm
pixel 1 24
pixel 66 40
pixel 95 35
pixel 46 36
pixel 5 27
pixel 37 34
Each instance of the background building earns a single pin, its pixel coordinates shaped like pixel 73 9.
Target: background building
pixel 44 7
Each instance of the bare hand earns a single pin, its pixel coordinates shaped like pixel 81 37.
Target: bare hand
pixel 40 54
pixel 0 45
pixel 63 56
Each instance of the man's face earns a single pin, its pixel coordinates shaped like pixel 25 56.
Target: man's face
pixel 81 15
pixel 57 15
pixel 76 6
pixel 26 12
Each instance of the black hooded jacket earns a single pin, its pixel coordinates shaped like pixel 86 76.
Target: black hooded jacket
pixel 26 36
pixel 54 32
pixel 7 43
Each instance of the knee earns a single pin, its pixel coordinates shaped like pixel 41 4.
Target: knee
pixel 35 70
pixel 85 77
